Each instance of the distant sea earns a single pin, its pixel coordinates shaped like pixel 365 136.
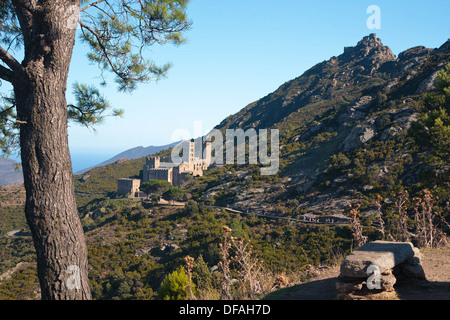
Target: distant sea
pixel 82 161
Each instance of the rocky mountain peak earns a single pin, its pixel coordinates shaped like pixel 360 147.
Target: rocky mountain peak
pixel 370 49
pixel 445 46
pixel 413 53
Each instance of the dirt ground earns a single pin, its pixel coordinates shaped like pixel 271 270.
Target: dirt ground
pixel 435 262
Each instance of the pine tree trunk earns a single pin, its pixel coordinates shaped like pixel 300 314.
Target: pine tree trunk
pixel 50 208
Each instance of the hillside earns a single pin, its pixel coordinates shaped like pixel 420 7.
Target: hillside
pixel 346 129
pixel 10 173
pixel 347 133
pixel 355 129
pixel 351 130
pixel 326 86
pixel 131 154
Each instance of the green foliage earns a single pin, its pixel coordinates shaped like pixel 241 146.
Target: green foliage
pixel 383 122
pixel 14 251
pixel 102 181
pixel 120 32
pixel 9 129
pixel 124 244
pixel 237 228
pixel 90 107
pixel 23 285
pixel 12 218
pixel 433 132
pixel 155 186
pixel 118 35
pixel 118 274
pixel 174 194
pixel 175 286
pixel 440 139
pixel 192 207
pixel 202 275
pixel 339 161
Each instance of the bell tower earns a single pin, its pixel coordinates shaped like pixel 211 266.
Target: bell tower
pixel 192 151
pixel 207 153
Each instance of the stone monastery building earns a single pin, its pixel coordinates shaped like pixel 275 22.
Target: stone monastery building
pixel 164 169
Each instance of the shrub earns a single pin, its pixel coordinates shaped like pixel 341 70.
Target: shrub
pixel 174 194
pixel 175 286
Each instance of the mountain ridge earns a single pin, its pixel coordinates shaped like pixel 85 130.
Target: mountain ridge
pixel 365 99
pixel 368 61
pixel 10 172
pixel 329 118
pixel 131 154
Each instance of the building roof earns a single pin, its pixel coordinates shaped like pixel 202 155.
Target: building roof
pixel 160 169
pixel 167 165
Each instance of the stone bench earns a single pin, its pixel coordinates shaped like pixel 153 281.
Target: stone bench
pixel 376 266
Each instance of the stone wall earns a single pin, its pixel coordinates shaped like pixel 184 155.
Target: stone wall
pixel 128 186
pixel 159 174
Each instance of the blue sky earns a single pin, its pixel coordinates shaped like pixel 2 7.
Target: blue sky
pixel 239 51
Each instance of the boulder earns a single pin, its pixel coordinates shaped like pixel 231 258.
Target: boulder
pixel 429 83
pixel 376 267
pixel 385 255
pixel 357 137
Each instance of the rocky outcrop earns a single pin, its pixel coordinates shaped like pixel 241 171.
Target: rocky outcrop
pixel 402 118
pixel 357 137
pixel 356 112
pixel 372 52
pixel 375 268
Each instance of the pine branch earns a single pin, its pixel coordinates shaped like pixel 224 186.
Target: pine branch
pixel 91 5
pixel 6 74
pixel 103 48
pixel 25 10
pixel 10 61
pixel 6 110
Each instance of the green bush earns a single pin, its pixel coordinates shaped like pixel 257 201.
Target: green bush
pixel 175 286
pixel 174 194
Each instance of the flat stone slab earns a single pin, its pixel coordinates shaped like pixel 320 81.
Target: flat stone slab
pixel 386 255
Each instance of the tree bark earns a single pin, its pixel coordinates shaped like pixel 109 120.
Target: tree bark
pixel 50 208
